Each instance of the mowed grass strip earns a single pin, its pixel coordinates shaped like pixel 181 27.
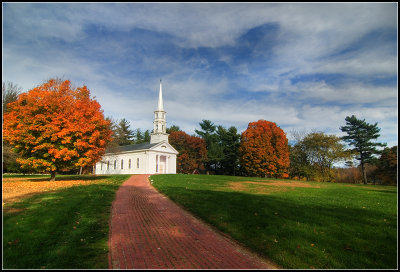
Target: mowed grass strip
pixel 65 228
pixel 297 225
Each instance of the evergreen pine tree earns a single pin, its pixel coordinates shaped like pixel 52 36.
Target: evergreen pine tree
pixel 214 149
pixel 147 136
pixel 140 138
pixel 230 142
pixel 360 135
pixel 123 133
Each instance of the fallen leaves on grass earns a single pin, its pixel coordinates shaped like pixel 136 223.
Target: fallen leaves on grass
pixel 347 247
pixel 16 241
pixel 258 187
pixel 14 191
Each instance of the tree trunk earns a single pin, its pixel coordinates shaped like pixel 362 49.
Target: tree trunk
pixel 53 176
pixel 364 173
pixel 80 170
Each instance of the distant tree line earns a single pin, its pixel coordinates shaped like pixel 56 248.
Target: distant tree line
pixel 261 150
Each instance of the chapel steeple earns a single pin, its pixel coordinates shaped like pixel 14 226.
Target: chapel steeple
pixel 160 100
pixel 160 129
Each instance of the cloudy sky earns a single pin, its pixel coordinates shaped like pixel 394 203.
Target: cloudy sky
pixel 303 66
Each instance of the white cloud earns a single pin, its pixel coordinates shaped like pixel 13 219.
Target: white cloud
pixel 308 36
pixel 350 93
pixel 374 63
pixel 34 21
pixel 208 24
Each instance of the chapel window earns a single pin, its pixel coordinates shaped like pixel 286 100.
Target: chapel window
pixel 122 164
pixel 137 162
pixel 129 163
pixel 115 164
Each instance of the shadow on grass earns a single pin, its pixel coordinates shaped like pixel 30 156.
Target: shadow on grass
pixel 65 229
pixel 296 233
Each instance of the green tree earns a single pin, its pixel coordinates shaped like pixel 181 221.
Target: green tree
pixel 300 165
pixel 386 170
pixel 230 142
pixel 139 137
pixel 123 134
pixel 322 152
pixel 214 149
pixel 173 128
pixel 208 130
pixel 360 135
pixel 147 136
pixel 112 146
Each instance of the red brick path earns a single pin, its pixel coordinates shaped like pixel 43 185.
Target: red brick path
pixel 149 231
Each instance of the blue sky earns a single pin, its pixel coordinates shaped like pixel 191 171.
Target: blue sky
pixel 303 66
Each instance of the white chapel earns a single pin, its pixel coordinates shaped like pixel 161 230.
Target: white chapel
pixel 156 157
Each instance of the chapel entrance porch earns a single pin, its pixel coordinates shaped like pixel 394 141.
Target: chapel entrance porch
pixel 161 164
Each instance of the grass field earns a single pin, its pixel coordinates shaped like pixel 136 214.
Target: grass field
pixel 57 225
pixel 296 224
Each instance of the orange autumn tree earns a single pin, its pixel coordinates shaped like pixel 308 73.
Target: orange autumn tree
pixel 192 151
pixel 55 126
pixel 264 150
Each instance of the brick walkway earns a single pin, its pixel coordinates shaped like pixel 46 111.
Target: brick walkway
pixel 149 231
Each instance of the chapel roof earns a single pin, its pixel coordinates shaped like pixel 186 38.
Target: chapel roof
pixel 133 147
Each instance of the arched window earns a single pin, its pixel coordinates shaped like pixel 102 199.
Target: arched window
pixel 101 165
pixel 122 164
pixel 129 163
pixel 108 165
pixel 115 164
pixel 137 162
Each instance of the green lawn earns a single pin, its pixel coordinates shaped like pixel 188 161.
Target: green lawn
pixel 63 229
pixel 327 226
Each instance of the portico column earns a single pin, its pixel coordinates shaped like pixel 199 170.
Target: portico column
pixel 158 164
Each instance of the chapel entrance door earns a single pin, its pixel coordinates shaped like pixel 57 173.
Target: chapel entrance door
pixel 161 164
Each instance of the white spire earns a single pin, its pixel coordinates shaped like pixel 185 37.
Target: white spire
pixel 160 100
pixel 159 133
